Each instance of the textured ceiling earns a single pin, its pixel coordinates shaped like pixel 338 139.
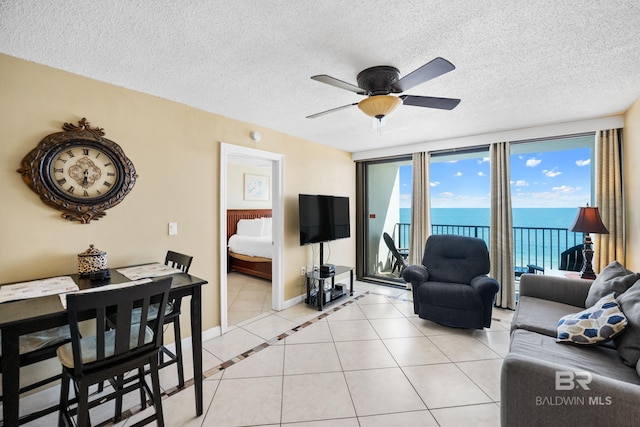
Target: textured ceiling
pixel 517 64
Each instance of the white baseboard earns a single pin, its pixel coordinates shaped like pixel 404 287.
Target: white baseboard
pixel 294 301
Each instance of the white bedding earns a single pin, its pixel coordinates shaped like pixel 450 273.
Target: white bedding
pixel 252 245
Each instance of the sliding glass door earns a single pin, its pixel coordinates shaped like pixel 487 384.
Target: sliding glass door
pixel 550 179
pixel 386 209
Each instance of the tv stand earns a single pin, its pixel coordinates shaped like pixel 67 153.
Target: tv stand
pixel 322 297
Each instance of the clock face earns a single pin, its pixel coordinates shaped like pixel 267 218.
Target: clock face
pixel 79 172
pixel 83 171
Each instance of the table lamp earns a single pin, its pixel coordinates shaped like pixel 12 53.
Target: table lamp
pixel 588 221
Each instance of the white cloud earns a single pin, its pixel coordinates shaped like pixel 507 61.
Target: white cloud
pixel 434 184
pixel 446 194
pixel 483 160
pixel 520 183
pixel 581 163
pixel 551 173
pixel 533 162
pixel 481 173
pixel 564 189
pixel 458 174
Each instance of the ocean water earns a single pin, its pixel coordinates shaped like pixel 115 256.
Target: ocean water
pixel 540 234
pixel 522 217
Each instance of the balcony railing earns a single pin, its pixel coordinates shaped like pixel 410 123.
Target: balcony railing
pixel 540 246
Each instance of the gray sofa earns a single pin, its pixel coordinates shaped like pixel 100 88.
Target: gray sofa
pixel 546 383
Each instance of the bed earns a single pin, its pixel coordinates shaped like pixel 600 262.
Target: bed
pixel 249 241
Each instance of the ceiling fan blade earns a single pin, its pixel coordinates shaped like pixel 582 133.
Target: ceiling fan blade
pixel 428 71
pixel 313 116
pixel 339 84
pixel 430 102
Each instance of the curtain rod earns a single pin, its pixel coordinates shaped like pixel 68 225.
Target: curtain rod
pixel 551 138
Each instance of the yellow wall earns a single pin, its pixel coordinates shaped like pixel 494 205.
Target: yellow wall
pixel 631 165
pixel 175 150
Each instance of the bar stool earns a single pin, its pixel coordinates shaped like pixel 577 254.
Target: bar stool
pixel 172 316
pixel 35 348
pixel 111 353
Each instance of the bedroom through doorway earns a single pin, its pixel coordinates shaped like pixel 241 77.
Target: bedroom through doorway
pixel 249 225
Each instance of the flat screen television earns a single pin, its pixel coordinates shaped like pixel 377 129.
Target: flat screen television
pixel 323 218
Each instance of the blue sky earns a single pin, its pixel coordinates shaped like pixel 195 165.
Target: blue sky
pixel 551 179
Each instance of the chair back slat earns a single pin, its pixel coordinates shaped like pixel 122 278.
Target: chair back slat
pixel 118 304
pixel 123 326
pixel 178 260
pixel 100 329
pixel 144 316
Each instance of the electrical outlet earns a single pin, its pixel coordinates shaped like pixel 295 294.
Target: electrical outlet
pixel 303 271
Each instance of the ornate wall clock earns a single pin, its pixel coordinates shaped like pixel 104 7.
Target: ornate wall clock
pixel 79 172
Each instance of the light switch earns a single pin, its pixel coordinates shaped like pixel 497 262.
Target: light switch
pixel 173 228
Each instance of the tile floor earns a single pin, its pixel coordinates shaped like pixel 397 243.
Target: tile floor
pixel 364 361
pixel 247 297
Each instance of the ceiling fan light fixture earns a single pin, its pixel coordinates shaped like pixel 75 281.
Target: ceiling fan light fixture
pixel 379 106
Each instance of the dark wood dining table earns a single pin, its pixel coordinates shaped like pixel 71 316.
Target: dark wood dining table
pixel 37 314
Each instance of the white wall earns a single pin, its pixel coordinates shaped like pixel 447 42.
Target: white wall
pixel 557 129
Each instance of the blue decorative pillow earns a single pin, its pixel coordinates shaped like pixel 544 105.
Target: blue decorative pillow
pixel 594 325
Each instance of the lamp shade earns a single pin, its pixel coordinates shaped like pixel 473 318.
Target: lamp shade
pixel 379 106
pixel 588 221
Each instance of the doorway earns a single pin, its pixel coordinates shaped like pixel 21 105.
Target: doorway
pixel 234 154
pixel 386 206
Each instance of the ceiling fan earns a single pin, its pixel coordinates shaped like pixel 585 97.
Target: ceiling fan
pixel 378 83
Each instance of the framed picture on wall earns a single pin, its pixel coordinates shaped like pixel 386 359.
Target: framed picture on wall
pixel 256 187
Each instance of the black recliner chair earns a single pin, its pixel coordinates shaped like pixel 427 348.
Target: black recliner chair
pixel 451 287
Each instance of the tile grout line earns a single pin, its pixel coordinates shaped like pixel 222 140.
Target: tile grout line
pixel 221 367
pixel 224 365
pixel 278 338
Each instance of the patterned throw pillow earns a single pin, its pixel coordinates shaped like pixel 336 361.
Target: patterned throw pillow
pixel 594 325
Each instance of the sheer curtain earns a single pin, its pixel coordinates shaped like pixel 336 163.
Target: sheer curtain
pixel 420 218
pixel 501 231
pixel 609 200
